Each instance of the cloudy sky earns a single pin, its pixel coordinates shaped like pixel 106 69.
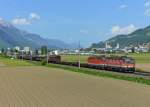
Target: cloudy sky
pixel 73 20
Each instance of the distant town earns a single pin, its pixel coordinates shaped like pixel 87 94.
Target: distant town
pixel 44 50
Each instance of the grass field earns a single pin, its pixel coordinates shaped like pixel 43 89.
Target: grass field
pixel 28 84
pixel 102 73
pixel 7 62
pixel 50 87
pixel 74 58
pixel 140 58
pixel 14 62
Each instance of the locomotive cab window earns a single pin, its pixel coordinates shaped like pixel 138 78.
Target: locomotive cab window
pixel 130 61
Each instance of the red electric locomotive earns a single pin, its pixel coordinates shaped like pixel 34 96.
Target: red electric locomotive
pixel 114 63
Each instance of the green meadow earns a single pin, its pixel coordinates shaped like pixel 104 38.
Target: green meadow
pixel 14 62
pixel 139 57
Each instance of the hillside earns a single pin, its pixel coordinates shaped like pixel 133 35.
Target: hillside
pixel 11 36
pixel 138 37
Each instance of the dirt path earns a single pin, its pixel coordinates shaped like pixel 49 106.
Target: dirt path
pixel 44 87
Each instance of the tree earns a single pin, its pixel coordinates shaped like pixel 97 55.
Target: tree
pixel 133 49
pixel 3 50
pixel 44 50
pixel 36 52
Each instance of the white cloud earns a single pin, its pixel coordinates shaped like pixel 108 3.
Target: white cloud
pixel 147 8
pixel 117 30
pixel 84 31
pixel 26 21
pixel 34 16
pixel 147 4
pixel 21 21
pixel 123 6
pixel 147 12
pixel 1 19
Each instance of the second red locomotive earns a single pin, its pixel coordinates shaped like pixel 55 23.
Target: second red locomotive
pixel 114 63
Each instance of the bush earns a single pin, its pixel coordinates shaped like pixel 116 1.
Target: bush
pixel 44 62
pixel 139 70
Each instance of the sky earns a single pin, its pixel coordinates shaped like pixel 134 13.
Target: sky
pixel 87 21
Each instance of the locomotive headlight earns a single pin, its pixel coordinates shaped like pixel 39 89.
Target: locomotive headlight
pixel 130 66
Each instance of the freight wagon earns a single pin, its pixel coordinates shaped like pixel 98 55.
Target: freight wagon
pixel 51 58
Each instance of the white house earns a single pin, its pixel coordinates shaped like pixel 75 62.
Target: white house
pixel 17 48
pixel 26 49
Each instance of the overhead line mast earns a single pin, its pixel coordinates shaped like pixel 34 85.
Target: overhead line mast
pixel 79 65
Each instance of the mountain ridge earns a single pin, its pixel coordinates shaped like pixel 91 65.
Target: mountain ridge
pixel 10 36
pixel 134 39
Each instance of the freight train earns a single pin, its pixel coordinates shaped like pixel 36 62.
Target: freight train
pixel 112 63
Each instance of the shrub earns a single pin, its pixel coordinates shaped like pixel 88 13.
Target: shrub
pixel 44 62
pixel 139 70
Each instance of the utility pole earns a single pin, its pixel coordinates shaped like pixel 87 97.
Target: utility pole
pixel 47 55
pixel 31 55
pixel 22 54
pixel 79 65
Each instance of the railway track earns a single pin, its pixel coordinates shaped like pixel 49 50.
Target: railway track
pixel 147 74
pixel 84 65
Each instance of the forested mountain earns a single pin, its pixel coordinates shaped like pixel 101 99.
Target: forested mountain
pixel 138 37
pixel 11 36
